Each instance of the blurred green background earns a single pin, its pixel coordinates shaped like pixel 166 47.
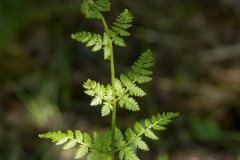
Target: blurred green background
pixel 196 46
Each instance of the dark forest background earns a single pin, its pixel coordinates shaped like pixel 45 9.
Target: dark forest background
pixel 196 47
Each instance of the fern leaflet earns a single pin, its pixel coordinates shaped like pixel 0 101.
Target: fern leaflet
pixel 140 71
pixel 135 136
pixel 93 9
pixel 94 40
pixel 128 154
pixel 100 94
pixel 122 22
pixel 70 139
pixel 131 87
pixel 129 103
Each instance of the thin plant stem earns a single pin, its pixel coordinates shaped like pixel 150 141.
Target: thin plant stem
pixel 114 112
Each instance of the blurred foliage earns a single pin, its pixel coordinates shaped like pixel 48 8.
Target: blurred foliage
pixel 196 46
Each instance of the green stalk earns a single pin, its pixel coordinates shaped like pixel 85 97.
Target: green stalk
pixel 114 112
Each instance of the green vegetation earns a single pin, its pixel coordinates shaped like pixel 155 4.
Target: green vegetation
pixel 121 92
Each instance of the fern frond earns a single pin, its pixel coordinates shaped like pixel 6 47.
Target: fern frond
pixel 92 9
pixel 155 123
pixel 119 139
pixel 138 127
pixel 119 28
pixel 131 87
pixel 101 147
pixel 129 103
pixel 132 137
pixel 139 143
pixel 107 48
pixel 106 109
pixel 129 135
pixel 94 40
pixel 102 144
pixel 127 154
pixel 102 5
pixel 120 90
pixel 140 71
pixel 119 41
pixel 95 90
pixel 93 155
pixel 123 22
pixel 70 139
pixel 81 152
pixel 116 39
pixel 151 135
pixel 100 94
pixel 125 88
pixel 106 141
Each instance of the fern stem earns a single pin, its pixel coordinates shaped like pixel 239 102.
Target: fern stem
pixel 114 100
pixel 114 112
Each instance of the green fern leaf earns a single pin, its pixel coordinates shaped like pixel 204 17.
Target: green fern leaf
pixel 70 134
pixel 128 154
pixel 136 91
pixel 147 123
pixel 119 139
pixel 70 139
pixel 87 139
pixel 119 41
pixel 94 40
pixel 55 136
pixel 108 93
pixel 132 88
pixel 107 48
pixel 140 71
pixel 97 143
pixel 103 5
pixel 92 9
pixel 154 119
pixel 130 134
pixel 69 144
pixel 119 88
pixel 122 32
pixel 157 123
pixel 88 9
pixel 129 103
pixel 101 146
pixel 93 155
pixel 96 101
pixel 95 90
pixel 100 95
pixel 79 136
pixel 158 127
pixel 106 157
pixel 106 141
pixel 122 23
pixel 150 134
pixel 81 151
pixel 139 143
pixel 62 141
pixel 106 109
pixel 138 127
pixel 106 52
pixel 82 36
